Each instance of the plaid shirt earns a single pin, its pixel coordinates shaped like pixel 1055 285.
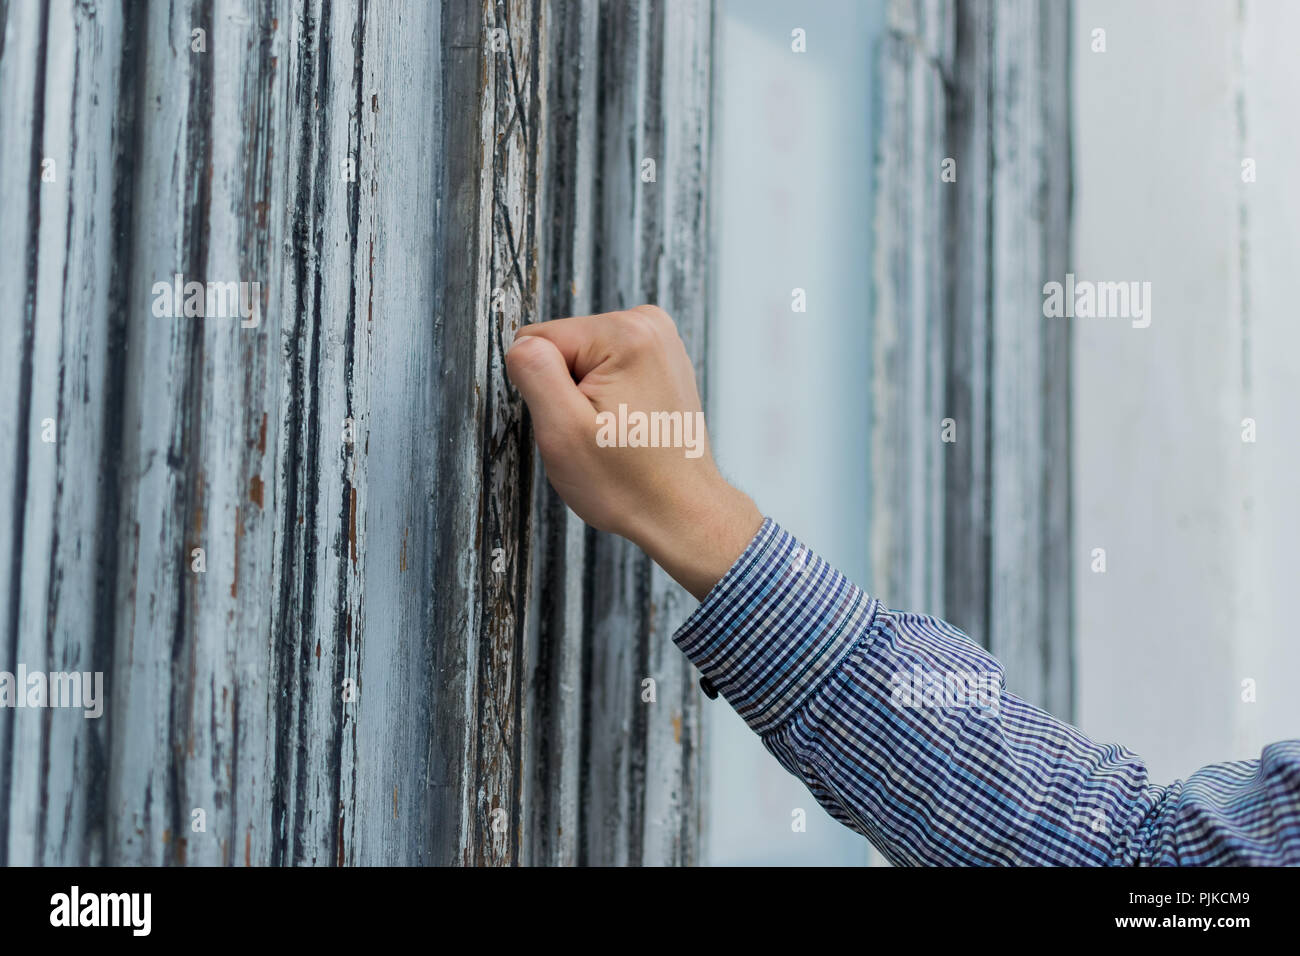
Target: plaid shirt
pixel 900 726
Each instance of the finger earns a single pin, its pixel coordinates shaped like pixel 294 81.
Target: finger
pixel 539 371
pixel 583 340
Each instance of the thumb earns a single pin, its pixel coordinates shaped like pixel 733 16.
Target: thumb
pixel 538 370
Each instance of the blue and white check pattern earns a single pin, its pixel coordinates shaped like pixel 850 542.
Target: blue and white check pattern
pixel 822 673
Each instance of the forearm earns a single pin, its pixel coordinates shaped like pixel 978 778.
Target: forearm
pixel 865 705
pixel 699 538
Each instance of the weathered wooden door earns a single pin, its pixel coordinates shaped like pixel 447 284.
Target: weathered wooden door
pixel 263 469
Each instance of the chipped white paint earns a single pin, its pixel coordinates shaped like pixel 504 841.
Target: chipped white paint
pixel 349 680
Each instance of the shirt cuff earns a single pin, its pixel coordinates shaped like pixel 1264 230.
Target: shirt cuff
pixel 779 622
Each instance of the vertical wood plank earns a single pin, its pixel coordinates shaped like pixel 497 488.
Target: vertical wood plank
pixel 908 308
pixel 673 726
pixel 462 344
pixel 1054 69
pixel 968 211
pixel 1029 586
pixel 641 758
pixel 555 693
pixel 69 826
pixel 512 140
pixel 41 220
pixel 976 529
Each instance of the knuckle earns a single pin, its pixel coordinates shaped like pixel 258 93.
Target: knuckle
pixel 657 317
pixel 647 327
pixel 637 331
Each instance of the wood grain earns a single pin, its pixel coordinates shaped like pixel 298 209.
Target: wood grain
pixel 401 648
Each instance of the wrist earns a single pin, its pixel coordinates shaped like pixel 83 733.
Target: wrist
pixel 699 538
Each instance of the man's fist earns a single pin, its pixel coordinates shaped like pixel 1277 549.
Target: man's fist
pixel 617 417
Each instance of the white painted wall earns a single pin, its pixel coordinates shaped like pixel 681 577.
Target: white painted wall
pixel 1200 529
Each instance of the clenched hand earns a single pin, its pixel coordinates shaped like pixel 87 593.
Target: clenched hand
pixel 670 500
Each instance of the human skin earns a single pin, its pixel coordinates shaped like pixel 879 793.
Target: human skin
pixel 676 508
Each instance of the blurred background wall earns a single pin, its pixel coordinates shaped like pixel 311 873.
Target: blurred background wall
pixel 1178 128
pixel 1199 526
pixel 892 186
pixel 786 397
